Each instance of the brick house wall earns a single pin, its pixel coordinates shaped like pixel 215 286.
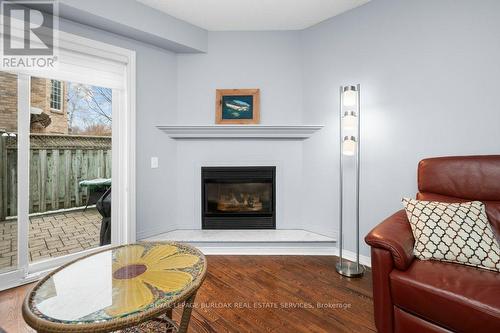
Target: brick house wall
pixel 40 98
pixel 8 102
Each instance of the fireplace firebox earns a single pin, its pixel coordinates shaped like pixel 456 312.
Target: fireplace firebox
pixel 238 197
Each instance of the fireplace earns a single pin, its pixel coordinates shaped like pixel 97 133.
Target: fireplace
pixel 238 197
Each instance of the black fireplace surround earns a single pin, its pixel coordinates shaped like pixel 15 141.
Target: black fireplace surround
pixel 238 197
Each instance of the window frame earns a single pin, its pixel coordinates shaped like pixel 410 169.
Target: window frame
pixel 61 96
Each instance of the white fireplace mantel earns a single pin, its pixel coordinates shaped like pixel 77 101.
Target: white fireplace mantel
pixel 278 132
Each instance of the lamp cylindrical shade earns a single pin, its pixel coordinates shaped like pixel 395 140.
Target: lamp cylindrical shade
pixel 350 96
pixel 350 120
pixel 349 146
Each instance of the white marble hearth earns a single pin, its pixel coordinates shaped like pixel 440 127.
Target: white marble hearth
pixel 245 236
pixel 253 242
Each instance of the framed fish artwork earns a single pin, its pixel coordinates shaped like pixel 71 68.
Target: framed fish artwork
pixel 237 106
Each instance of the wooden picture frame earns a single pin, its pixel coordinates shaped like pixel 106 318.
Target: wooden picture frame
pixel 242 110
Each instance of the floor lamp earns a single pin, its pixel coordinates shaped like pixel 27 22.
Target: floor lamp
pixel 349 147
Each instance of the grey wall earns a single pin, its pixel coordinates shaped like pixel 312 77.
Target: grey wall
pixel 135 20
pixel 430 77
pixel 156 95
pixel 270 61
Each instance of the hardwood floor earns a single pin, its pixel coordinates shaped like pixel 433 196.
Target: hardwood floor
pixel 11 319
pixel 260 294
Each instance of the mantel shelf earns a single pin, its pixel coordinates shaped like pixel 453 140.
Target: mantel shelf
pixel 277 132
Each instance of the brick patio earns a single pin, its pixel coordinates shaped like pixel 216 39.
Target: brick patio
pixel 51 235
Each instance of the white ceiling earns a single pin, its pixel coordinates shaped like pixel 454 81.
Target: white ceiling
pixel 250 15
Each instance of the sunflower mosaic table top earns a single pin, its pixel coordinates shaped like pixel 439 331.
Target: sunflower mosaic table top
pixel 115 288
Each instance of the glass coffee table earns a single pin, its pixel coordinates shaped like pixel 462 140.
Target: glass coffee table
pixel 130 288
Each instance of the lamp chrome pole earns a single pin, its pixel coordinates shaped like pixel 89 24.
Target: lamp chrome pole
pixel 341 181
pixel 344 267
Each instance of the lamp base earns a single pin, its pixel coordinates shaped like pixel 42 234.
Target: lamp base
pixel 350 269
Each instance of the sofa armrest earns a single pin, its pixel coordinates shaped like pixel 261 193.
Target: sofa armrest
pixel 394 235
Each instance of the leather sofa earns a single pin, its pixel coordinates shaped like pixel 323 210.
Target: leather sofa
pixel 412 295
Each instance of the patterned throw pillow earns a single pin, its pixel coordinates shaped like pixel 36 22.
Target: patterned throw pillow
pixel 453 232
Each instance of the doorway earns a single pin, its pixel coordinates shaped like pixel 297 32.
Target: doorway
pixel 59 135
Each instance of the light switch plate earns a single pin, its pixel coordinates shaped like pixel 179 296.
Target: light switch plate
pixel 154 162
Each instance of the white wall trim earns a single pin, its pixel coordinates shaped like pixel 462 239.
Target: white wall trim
pixel 16 278
pixel 131 145
pixel 268 250
pixel 298 250
pixel 296 132
pixel 349 255
pixel 141 235
pixel 23 170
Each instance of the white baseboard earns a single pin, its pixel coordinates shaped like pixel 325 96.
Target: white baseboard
pixel 262 249
pixel 351 256
pixel 140 235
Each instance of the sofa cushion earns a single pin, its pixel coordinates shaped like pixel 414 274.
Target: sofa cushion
pixel 454 232
pixel 466 177
pixel 457 297
pixel 405 322
pixel 462 178
pixel 492 207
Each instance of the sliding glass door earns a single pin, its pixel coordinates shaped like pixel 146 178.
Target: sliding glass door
pixel 8 172
pixel 66 139
pixel 55 172
pixel 70 167
pixel 14 103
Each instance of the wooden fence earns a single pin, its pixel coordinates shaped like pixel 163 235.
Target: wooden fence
pixel 57 164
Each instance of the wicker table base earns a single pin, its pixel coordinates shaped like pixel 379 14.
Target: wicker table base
pixel 161 324
pixel 164 323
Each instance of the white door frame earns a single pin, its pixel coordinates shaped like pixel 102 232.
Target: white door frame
pixel 123 160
